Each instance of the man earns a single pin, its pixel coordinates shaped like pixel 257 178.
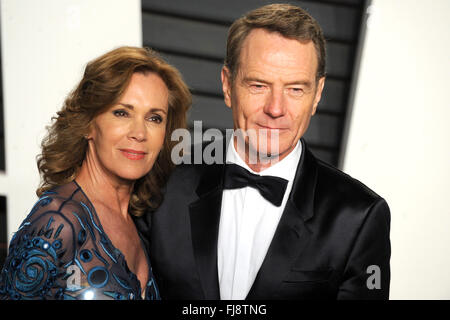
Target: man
pixel 286 226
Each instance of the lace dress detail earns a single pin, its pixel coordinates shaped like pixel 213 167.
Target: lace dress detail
pixel 61 251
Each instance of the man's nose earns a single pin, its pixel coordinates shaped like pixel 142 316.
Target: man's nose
pixel 275 106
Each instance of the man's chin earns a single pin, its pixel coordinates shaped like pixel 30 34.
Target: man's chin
pixel 262 148
pixel 275 154
pixel 268 153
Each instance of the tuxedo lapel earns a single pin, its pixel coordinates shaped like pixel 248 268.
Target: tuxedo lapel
pixel 292 234
pixel 205 215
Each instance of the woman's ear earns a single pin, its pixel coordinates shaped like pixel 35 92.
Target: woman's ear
pixel 90 130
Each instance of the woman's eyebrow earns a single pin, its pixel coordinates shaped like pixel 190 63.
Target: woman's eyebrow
pixel 126 105
pixel 158 109
pixel 131 107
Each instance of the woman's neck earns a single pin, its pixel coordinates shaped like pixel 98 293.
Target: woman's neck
pixel 103 187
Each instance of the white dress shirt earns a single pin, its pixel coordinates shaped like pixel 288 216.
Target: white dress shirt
pixel 247 225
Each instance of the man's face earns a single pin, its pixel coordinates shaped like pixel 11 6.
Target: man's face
pixel 275 89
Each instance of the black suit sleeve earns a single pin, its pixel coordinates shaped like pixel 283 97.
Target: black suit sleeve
pixel 367 273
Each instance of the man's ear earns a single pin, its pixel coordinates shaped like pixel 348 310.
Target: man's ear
pixel 225 75
pixel 318 95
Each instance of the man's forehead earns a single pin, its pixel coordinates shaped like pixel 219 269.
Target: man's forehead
pixel 270 51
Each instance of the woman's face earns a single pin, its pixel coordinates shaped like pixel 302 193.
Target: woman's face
pixel 125 140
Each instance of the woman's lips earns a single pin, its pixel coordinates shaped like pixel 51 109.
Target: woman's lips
pixel 133 154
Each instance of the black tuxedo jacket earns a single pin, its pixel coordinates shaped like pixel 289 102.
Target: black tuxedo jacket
pixel 332 241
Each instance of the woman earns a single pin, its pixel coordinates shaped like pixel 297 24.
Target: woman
pixel 104 160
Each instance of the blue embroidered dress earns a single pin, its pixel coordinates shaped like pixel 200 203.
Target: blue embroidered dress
pixel 62 252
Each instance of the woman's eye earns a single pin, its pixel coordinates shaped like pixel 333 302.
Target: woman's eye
pixel 120 113
pixel 156 118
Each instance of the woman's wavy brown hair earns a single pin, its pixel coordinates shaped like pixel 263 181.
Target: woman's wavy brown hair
pixel 104 81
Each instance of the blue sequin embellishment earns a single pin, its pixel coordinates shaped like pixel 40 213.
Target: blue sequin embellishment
pixel 85 255
pixel 40 254
pixel 98 277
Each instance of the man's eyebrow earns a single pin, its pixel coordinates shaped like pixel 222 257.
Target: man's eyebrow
pixel 300 82
pixel 306 83
pixel 254 79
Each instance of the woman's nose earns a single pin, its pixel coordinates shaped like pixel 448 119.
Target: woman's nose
pixel 138 130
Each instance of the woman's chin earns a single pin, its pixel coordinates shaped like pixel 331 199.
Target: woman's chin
pixel 131 176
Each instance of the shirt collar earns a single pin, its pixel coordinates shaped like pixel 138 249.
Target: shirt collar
pixel 284 169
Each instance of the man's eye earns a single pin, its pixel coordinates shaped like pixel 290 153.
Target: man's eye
pixel 257 87
pixel 296 91
pixel 120 113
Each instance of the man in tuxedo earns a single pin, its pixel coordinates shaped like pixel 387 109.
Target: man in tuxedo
pixel 286 226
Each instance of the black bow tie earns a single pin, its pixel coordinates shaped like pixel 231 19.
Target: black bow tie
pixel 270 187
